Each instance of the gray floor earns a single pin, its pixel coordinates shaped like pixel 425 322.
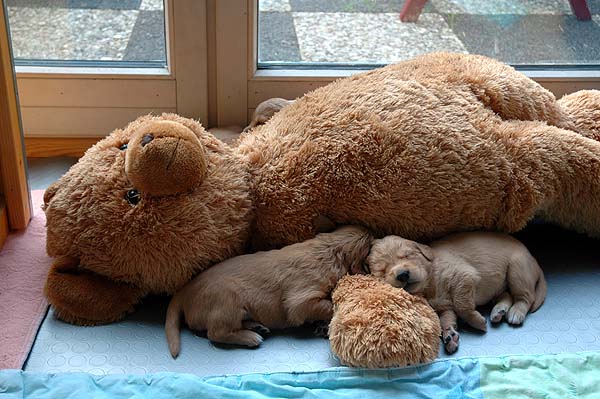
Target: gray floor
pixel 569 321
pixel 45 171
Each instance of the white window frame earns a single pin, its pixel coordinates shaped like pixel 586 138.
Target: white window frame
pixel 90 102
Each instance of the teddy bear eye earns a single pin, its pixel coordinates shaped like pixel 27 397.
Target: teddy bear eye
pixel 133 196
pixel 123 147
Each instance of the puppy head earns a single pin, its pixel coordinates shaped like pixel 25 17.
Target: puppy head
pixel 401 263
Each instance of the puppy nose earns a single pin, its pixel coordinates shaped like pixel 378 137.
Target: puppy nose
pixel 403 276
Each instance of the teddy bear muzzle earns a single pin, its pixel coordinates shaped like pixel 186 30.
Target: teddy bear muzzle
pixel 165 158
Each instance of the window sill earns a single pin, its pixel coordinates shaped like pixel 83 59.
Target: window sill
pixel 92 73
pixel 329 74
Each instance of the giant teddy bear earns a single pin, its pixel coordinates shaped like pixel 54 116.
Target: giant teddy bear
pixel 437 144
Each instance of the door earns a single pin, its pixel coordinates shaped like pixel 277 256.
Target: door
pixel 15 203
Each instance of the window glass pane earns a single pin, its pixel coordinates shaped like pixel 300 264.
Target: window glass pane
pixel 88 32
pixel 519 32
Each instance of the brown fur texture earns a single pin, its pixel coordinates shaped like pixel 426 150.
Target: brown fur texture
pixel 240 299
pixel 421 149
pixel 376 325
pixel 164 158
pixel 460 272
pixel 155 246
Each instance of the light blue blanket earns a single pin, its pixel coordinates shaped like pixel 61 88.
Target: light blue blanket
pixel 541 376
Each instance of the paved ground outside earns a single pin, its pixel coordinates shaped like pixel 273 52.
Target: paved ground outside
pixel 316 31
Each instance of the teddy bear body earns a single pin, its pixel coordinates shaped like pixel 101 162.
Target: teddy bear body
pixel 424 148
pixel 438 144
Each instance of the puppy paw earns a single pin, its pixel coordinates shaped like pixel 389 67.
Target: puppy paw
pixel 257 328
pixel 515 317
pixel 478 322
pixel 498 313
pixel 252 339
pixel 261 330
pixel 450 338
pixel 321 329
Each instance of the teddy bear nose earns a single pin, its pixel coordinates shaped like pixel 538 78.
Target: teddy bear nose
pixel 164 158
pixel 403 276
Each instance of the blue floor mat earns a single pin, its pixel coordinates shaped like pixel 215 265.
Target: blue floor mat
pixel 569 321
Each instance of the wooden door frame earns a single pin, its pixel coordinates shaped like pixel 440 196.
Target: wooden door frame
pixel 13 167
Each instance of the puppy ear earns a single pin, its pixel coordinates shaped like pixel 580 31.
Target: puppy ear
pixel 367 264
pixel 426 251
pixel 352 251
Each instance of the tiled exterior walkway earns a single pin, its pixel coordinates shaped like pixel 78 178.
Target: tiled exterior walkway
pixel 315 31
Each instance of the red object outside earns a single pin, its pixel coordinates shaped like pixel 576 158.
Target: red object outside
pixel 581 10
pixel 412 10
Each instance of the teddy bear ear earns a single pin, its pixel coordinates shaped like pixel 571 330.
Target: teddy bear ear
pixel 49 193
pixel 165 158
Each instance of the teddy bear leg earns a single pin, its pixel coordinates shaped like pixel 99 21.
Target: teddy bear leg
pixel 80 297
pixel 514 96
pixel 581 113
pixel 556 176
pixel 509 93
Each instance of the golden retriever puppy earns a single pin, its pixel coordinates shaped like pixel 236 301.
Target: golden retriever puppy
pixel 239 300
pixel 463 271
pixel 265 110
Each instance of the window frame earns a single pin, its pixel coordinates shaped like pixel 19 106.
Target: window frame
pixel 82 102
pixel 15 201
pixel 262 84
pixel 212 75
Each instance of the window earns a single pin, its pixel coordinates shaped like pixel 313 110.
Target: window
pixel 294 46
pixel 88 32
pixel 86 67
pixel 369 32
pixel 89 66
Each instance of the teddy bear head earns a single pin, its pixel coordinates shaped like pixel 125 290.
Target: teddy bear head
pixel 151 205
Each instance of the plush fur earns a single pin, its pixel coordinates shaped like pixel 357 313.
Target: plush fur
pixel 434 145
pixel 377 325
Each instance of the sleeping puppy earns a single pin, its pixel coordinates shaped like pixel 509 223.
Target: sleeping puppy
pixel 239 300
pixel 265 111
pixel 463 271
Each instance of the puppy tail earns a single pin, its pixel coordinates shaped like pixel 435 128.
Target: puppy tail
pixel 172 325
pixel 540 293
